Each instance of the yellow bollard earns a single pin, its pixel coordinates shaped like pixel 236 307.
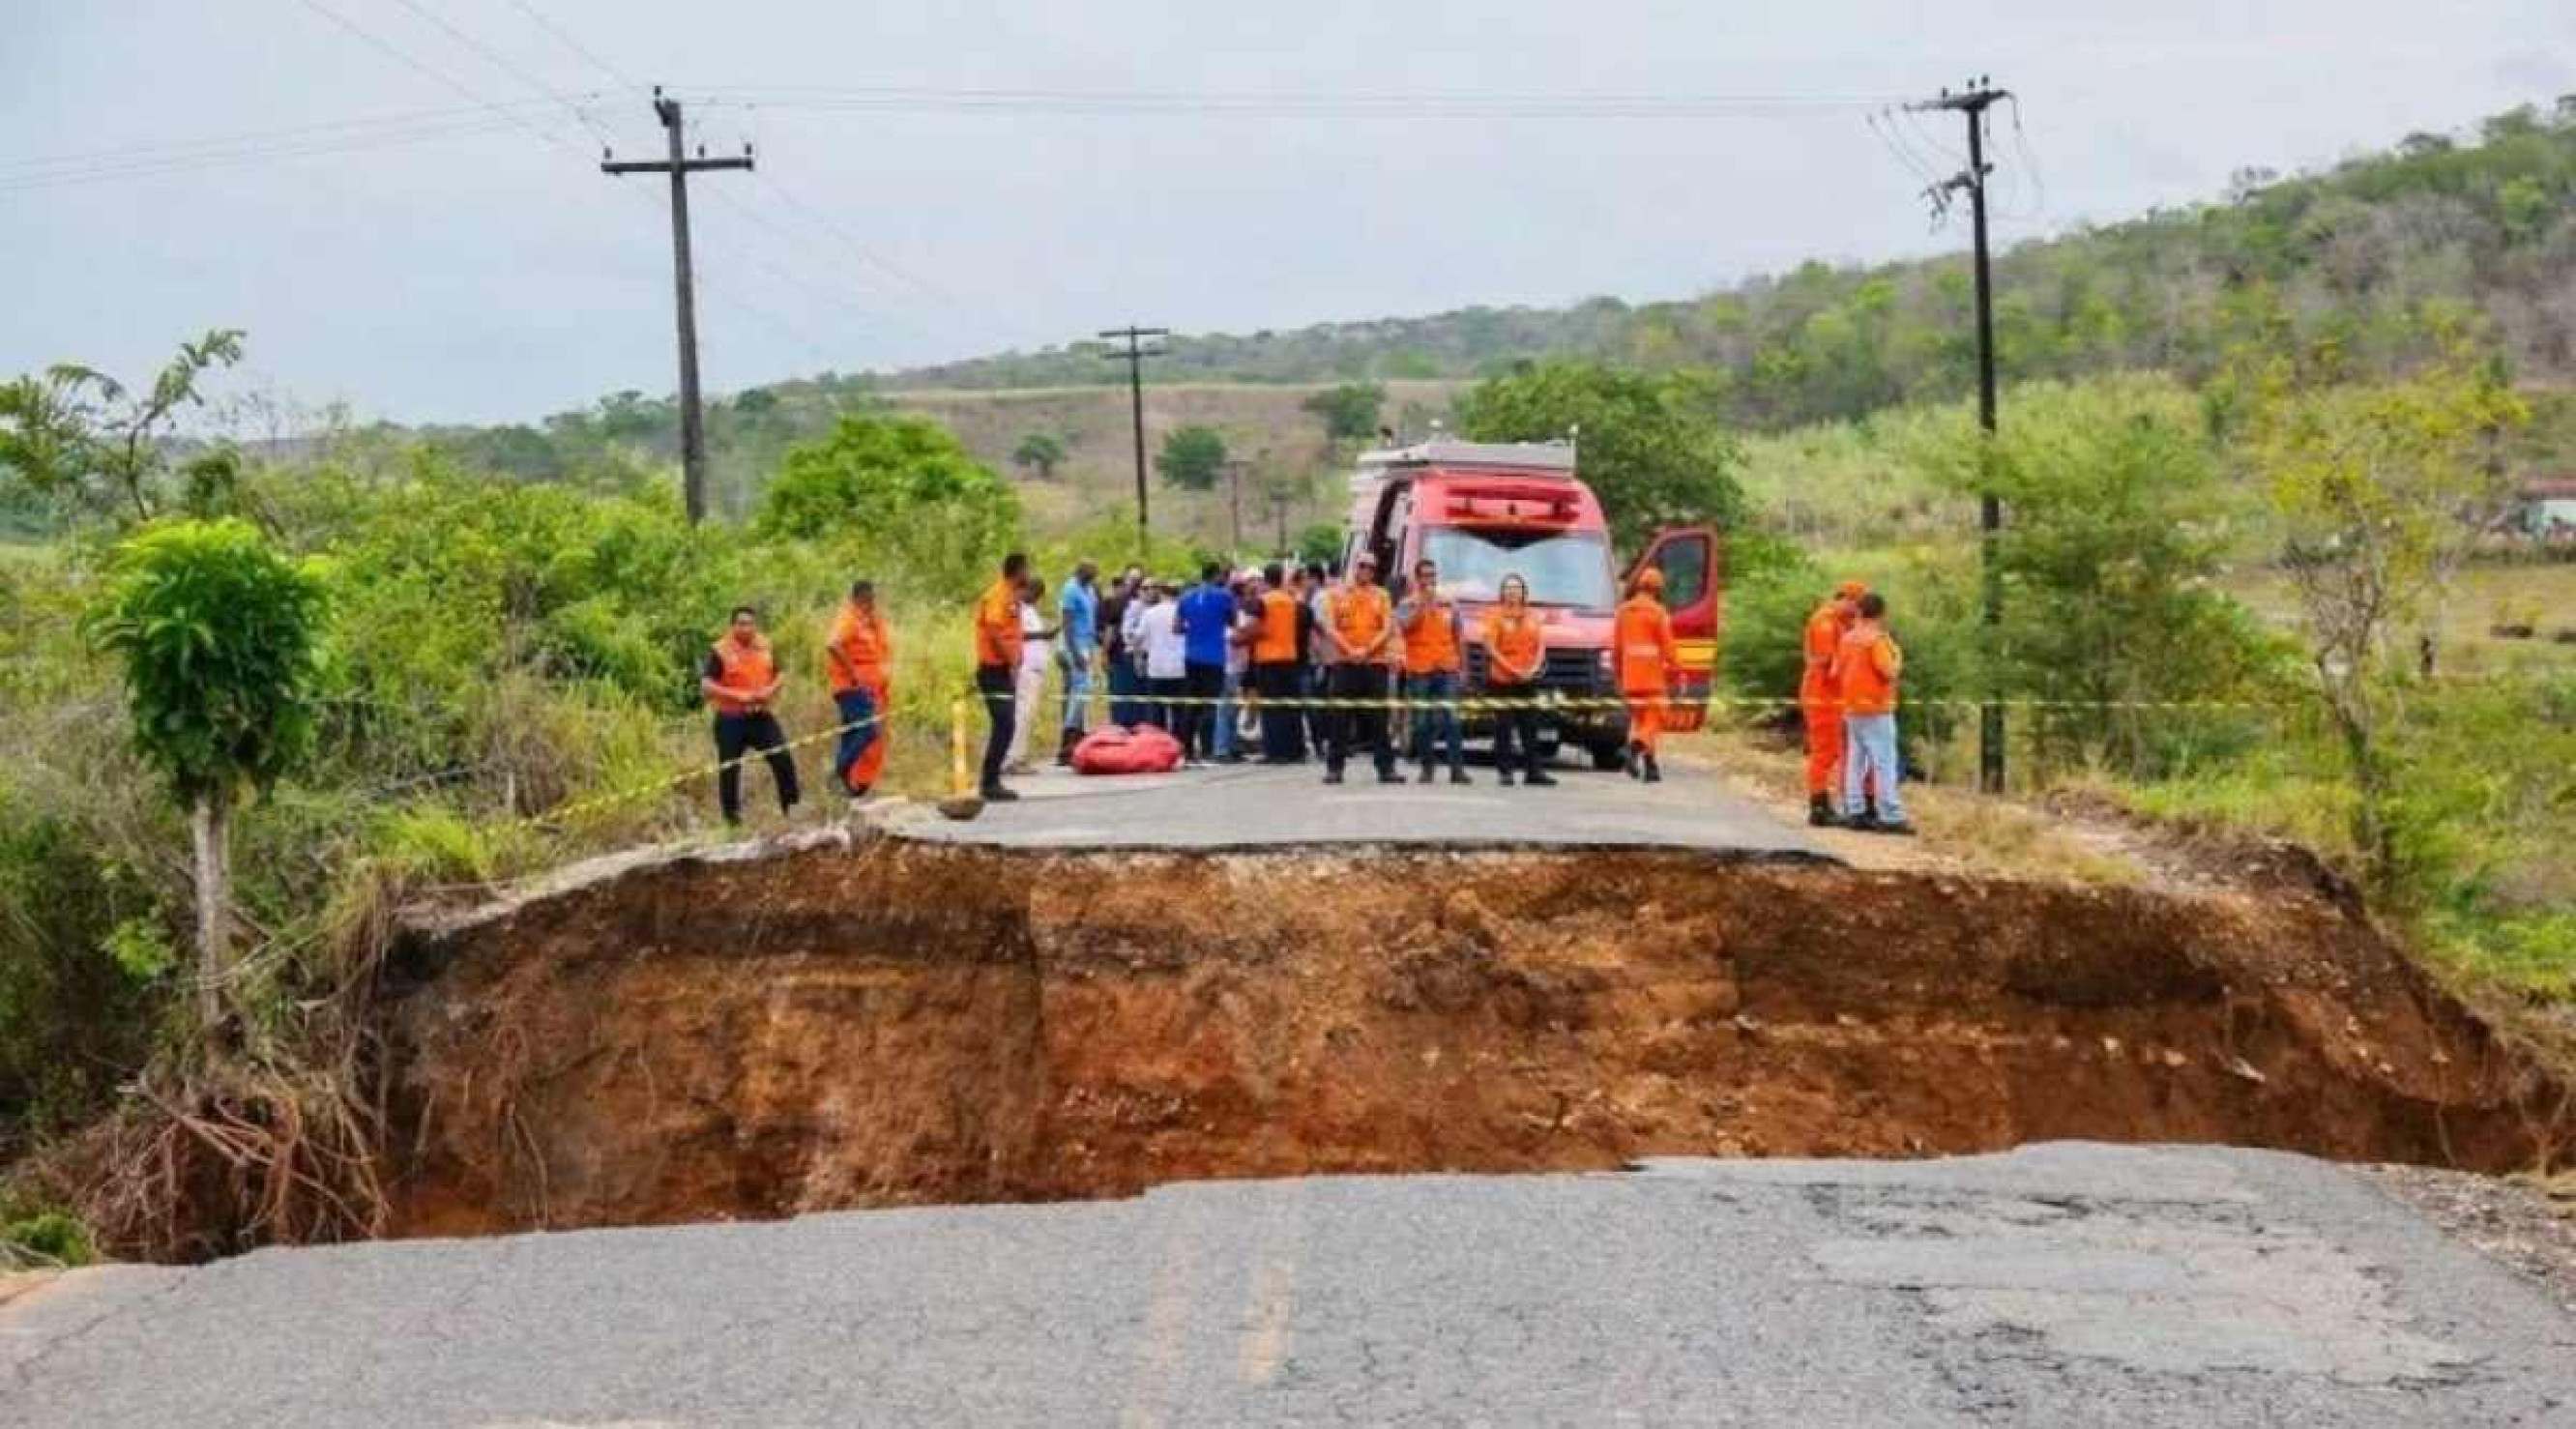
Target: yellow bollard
pixel 963 801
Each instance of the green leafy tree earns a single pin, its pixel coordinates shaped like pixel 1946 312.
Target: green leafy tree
pixel 2118 528
pixel 1192 458
pixel 2378 487
pixel 1350 412
pixel 1320 542
pixel 219 634
pixel 1040 451
pixel 898 484
pixel 77 437
pixel 1649 445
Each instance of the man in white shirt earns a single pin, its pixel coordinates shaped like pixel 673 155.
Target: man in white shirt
pixel 1037 653
pixel 1167 655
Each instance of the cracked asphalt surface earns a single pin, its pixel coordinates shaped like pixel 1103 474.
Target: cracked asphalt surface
pixel 1252 806
pixel 2068 1283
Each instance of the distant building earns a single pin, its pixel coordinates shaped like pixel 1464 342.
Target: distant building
pixel 2547 508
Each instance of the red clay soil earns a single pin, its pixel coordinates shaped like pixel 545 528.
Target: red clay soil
pixel 892 1023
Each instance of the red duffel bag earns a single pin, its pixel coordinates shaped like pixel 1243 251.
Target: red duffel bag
pixel 1146 749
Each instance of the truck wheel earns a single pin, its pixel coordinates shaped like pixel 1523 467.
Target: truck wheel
pixel 1609 757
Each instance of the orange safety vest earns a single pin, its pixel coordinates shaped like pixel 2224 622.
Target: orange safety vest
pixel 1431 638
pixel 998 636
pixel 1358 617
pixel 1518 638
pixel 1866 669
pixel 859 639
pixel 742 669
pixel 1824 640
pixel 1644 645
pixel 1277 642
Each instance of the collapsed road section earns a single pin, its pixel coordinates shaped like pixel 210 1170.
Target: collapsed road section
pixel 861 1020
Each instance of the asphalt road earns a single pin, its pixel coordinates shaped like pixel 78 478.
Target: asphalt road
pixel 2061 1284
pixel 1252 806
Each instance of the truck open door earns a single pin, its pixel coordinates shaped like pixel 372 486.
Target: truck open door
pixel 1694 592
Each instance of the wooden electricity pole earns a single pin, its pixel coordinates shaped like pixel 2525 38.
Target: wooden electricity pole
pixel 693 435
pixel 1973 103
pixel 1135 356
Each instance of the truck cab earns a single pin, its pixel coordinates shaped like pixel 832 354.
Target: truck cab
pixel 1480 511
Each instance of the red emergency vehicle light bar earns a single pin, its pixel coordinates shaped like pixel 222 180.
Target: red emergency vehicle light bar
pixel 1529 510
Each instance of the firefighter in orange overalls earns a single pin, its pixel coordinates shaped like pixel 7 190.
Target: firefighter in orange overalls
pixel 857 660
pixel 1820 706
pixel 1647 659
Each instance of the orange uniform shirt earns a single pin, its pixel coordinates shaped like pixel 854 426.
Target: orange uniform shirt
pixel 1276 642
pixel 1431 638
pixel 1824 640
pixel 858 654
pixel 740 671
pixel 1514 638
pixel 998 636
pixel 1643 640
pixel 1866 667
pixel 1358 616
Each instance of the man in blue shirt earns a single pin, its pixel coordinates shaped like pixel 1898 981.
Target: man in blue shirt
pixel 1207 626
pixel 1080 609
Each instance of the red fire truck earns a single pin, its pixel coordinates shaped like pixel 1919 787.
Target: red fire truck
pixel 1483 510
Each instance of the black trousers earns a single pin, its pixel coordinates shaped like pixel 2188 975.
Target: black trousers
pixel 1365 726
pixel 1282 730
pixel 755 733
pixel 1198 718
pixel 1159 710
pixel 994 683
pixel 1515 723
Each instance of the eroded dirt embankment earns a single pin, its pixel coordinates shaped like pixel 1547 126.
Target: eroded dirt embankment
pixel 894 1023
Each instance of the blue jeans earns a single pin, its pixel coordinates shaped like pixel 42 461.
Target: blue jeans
pixel 1440 722
pixel 1869 746
pixel 1228 693
pixel 854 705
pixel 1077 694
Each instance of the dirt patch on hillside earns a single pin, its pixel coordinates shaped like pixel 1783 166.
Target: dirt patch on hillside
pixel 889 1023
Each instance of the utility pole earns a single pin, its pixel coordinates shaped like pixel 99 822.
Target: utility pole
pixel 1973 102
pixel 1234 496
pixel 693 435
pixel 1135 356
pixel 1279 513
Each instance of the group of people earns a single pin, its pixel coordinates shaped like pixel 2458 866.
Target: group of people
pixel 1847 701
pixel 1324 661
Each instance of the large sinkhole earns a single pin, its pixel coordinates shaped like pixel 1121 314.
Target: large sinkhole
pixel 870 1021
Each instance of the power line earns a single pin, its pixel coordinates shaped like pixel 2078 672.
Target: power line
pixel 409 61
pixel 1291 104
pixel 464 126
pixel 576 46
pixel 504 63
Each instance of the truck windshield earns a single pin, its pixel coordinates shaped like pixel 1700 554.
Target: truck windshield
pixel 1562 568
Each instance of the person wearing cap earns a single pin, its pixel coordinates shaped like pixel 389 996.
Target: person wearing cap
pixel 1820 706
pixel 1646 658
pixel 1435 641
pixel 1358 636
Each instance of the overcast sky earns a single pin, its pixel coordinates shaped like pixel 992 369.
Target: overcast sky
pixel 486 270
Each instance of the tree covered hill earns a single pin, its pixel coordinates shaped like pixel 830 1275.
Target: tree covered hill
pixel 2484 222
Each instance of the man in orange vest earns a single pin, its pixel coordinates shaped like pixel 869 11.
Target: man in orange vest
pixel 998 638
pixel 1647 660
pixel 857 659
pixel 1275 667
pixel 1358 635
pixel 1820 704
pixel 739 680
pixel 1867 666
pixel 1434 659
pixel 1515 651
